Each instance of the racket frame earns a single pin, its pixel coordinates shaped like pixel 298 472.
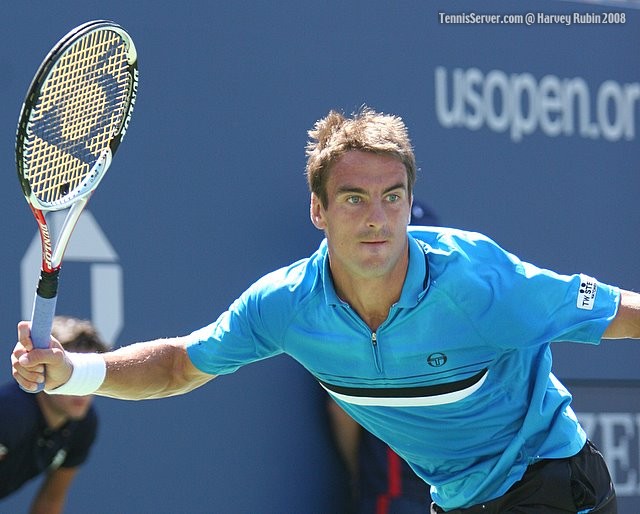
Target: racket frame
pixel 75 200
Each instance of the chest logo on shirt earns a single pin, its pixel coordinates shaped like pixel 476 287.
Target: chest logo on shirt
pixel 437 360
pixel 587 293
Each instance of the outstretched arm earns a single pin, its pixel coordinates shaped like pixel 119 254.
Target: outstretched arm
pixel 155 369
pixel 626 324
pixel 346 432
pixel 51 497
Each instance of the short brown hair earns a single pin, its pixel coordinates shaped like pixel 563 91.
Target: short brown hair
pixel 366 130
pixel 77 335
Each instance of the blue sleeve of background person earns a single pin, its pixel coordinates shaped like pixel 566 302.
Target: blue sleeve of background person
pixel 252 328
pixel 514 303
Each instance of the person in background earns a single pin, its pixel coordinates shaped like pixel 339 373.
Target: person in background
pixel 381 481
pixel 48 434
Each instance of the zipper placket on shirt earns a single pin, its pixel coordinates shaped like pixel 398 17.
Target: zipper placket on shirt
pixel 376 352
pixel 375 343
pixel 373 336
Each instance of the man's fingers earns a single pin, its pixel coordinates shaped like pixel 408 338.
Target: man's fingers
pixel 32 366
pixel 28 375
pixel 36 357
pixel 24 335
pixel 27 365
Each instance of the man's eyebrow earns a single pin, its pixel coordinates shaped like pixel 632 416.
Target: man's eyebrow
pixel 351 189
pixel 399 185
pixel 354 189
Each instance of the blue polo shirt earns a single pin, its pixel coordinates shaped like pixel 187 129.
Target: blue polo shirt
pixel 457 380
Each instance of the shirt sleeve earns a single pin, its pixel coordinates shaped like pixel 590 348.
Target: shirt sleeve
pixel 519 304
pixel 250 330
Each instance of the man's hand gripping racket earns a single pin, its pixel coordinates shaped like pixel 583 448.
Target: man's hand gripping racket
pixel 74 116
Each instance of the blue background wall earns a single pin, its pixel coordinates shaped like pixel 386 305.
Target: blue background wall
pixel 227 93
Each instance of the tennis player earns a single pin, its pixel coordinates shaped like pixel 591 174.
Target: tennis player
pixel 435 340
pixel 48 435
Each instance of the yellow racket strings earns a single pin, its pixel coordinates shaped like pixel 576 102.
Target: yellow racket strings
pixel 79 110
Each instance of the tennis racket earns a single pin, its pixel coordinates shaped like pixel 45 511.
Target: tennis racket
pixel 75 114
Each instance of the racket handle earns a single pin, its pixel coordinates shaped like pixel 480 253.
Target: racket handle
pixel 44 310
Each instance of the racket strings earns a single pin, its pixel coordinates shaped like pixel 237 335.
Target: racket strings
pixel 79 109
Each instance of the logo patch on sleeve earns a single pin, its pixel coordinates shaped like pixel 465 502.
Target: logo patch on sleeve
pixel 587 293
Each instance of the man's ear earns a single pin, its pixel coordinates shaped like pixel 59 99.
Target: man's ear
pixel 316 212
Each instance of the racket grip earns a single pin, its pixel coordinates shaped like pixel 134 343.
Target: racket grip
pixel 44 310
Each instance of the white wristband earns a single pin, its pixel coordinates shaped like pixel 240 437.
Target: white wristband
pixel 89 370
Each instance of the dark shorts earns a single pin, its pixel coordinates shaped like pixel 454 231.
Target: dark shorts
pixel 577 484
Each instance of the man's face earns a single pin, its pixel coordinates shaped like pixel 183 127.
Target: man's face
pixel 366 217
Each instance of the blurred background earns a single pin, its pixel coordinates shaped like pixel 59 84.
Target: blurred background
pixel 528 133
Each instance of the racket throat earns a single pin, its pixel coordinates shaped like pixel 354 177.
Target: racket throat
pixel 64 233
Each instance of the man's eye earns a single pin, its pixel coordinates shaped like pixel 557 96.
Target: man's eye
pixel 393 197
pixel 354 200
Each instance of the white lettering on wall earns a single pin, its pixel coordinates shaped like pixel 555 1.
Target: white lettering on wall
pixel 617 435
pixel 520 104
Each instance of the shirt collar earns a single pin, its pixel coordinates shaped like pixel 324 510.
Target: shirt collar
pixel 415 285
pixel 330 295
